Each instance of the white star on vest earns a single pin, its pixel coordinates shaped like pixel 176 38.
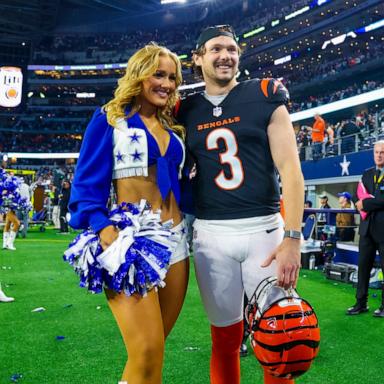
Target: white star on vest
pixel 344 166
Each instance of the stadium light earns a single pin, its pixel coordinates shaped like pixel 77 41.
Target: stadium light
pixel 282 60
pixel 253 32
pixel 192 86
pixel 275 22
pixel 172 1
pixel 319 3
pixel 371 27
pixel 85 95
pixel 21 155
pixel 338 39
pixel 297 13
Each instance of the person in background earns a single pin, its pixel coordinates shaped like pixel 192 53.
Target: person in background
pixel 330 135
pixel 23 214
pixel 4 298
pixel 322 217
pixel 11 227
pixel 318 135
pixel 349 135
pixel 9 203
pixel 371 231
pixel 63 205
pixel 345 222
pixel 55 206
pixel 307 204
pixel 330 141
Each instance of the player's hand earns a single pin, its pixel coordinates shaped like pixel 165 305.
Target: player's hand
pixel 287 256
pixel 107 236
pixel 359 205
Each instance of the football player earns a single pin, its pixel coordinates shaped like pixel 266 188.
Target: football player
pixel 239 134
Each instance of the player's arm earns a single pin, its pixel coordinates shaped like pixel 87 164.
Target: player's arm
pixel 284 153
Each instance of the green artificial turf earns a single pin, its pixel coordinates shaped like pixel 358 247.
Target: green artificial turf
pixel 351 350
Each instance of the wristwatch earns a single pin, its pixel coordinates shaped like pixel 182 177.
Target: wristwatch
pixel 292 234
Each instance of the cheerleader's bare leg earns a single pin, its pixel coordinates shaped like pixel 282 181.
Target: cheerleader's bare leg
pixel 148 304
pixel 145 322
pixel 176 281
pixel 12 225
pixel 8 222
pixel 11 222
pixel 173 294
pixel 141 326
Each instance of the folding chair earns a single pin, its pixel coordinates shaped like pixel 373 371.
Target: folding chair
pixel 309 227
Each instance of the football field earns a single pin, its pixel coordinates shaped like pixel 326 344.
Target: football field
pixel 74 338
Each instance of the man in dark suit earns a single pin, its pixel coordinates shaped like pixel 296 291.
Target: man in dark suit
pixel 63 205
pixel 348 133
pixel 371 231
pixel 322 217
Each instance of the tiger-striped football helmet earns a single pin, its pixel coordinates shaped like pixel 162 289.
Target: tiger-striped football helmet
pixel 284 330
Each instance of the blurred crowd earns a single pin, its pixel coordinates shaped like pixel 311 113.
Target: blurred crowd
pixel 344 136
pixel 326 97
pixel 23 142
pixel 114 47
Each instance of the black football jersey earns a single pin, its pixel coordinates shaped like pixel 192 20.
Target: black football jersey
pixel 236 177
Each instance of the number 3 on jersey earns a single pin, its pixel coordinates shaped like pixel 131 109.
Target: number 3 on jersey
pixel 228 157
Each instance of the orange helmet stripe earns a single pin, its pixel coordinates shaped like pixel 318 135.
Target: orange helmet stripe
pixel 264 86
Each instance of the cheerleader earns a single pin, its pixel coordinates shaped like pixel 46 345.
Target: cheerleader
pixel 4 298
pixel 10 201
pixel 137 252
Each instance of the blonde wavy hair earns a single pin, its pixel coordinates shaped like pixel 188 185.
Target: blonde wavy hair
pixel 141 66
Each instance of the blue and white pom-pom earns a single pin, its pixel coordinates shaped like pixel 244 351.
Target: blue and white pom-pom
pixel 9 192
pixel 135 262
pixel 24 204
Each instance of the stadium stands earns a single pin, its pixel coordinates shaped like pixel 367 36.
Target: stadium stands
pixel 319 67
